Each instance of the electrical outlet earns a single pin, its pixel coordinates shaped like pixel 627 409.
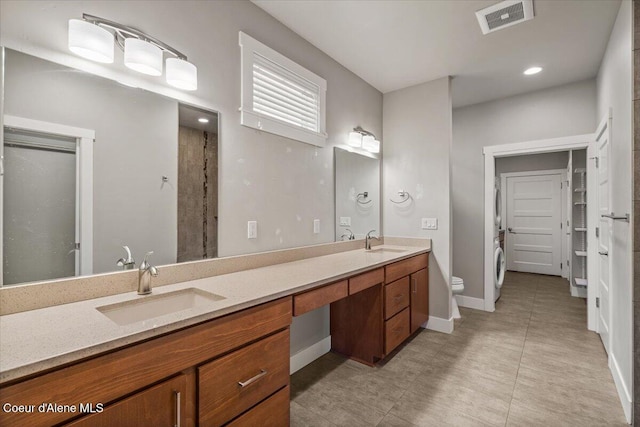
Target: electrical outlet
pixel 345 221
pixel 429 223
pixel 316 226
pixel 252 230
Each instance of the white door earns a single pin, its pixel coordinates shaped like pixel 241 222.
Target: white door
pixel 568 219
pixel 605 233
pixel 534 243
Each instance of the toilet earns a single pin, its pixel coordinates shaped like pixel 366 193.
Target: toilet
pixel 457 288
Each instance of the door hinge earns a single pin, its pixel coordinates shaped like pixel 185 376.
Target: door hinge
pixel 568 263
pixel 77 246
pixel 561 185
pixel 597 231
pixel 597 302
pixel 560 266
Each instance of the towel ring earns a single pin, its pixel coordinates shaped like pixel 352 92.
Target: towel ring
pixel 360 197
pixel 404 196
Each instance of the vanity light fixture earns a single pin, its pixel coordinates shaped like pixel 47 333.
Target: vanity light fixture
pixel 365 139
pixel 93 38
pixel 531 71
pixel 203 120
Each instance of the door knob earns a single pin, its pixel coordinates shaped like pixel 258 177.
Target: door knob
pixel 605 253
pixel 511 230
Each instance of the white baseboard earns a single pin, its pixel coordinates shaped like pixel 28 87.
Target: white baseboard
pixel 470 302
pixel 440 325
pixel 309 354
pixel 623 390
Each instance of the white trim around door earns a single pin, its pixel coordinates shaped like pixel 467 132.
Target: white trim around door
pixel 84 181
pixel 577 142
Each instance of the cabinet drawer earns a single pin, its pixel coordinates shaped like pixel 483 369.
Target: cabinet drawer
pixel 273 412
pixel 310 300
pixel 366 280
pixel 234 383
pixel 405 267
pixel 396 330
pixel 396 297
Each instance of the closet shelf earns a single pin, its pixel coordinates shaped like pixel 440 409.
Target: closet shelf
pixel 580 190
pixel 581 253
pixel 580 170
pixel 580 281
pixel 580 229
pixel 580 203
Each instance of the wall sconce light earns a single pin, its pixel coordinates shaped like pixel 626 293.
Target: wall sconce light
pixel 365 139
pixel 93 38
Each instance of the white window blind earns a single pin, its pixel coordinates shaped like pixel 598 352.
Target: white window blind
pixel 279 96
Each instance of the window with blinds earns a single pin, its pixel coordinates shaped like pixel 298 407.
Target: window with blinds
pixel 279 96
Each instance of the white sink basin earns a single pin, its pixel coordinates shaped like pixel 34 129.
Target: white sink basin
pixel 387 250
pixel 150 307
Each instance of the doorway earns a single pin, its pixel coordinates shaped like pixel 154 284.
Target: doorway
pixel 534 221
pixel 46 224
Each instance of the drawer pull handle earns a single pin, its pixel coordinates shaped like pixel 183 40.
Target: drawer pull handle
pixel 415 285
pixel 397 330
pixel 253 379
pixel 177 396
pixel 398 297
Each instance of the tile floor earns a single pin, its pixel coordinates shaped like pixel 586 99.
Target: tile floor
pixel 531 363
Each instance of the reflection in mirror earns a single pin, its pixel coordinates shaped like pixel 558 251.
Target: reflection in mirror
pixel 91 166
pixel 357 194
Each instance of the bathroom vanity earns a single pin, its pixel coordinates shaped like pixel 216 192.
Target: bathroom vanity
pixel 226 365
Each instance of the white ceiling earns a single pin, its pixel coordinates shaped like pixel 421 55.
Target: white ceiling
pixel 396 44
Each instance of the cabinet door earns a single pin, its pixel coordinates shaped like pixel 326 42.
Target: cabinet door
pixel 158 406
pixel 419 298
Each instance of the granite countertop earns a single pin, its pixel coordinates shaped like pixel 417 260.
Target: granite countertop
pixel 46 338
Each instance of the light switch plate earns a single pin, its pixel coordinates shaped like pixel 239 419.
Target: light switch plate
pixel 316 226
pixel 345 221
pixel 429 223
pixel 252 229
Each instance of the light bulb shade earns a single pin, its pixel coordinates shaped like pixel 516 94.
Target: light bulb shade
pixel 142 57
pixel 90 41
pixel 355 139
pixel 371 144
pixel 182 74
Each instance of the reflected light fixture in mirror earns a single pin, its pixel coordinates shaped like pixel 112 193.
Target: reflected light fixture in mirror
pixel 365 139
pixel 92 37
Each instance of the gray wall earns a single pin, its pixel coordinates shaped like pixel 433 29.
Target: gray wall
pixel 615 92
pixel 560 111
pixel 136 144
pixel 532 162
pixel 281 183
pixel 416 152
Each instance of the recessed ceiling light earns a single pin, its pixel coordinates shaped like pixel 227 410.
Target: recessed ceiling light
pixel 531 71
pixel 203 120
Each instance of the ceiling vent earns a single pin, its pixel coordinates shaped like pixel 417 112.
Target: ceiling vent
pixel 504 14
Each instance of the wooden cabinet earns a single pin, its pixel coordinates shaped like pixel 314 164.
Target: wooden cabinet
pixel 163 405
pixel 135 376
pixel 374 319
pixel 419 298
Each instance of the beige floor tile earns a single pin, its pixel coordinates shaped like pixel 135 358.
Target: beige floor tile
pixel 530 363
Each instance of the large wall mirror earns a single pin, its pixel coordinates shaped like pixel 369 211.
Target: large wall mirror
pixel 91 165
pixel 357 192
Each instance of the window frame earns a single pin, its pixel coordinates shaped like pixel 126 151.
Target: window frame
pixel 248 117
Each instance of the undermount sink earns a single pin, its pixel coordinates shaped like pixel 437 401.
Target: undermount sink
pixel 387 250
pixel 146 308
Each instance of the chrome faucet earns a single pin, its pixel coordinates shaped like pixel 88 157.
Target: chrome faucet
pixel 127 263
pixel 349 236
pixel 367 240
pixel 145 272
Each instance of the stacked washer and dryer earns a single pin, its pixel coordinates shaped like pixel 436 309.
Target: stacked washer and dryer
pixel 499 262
